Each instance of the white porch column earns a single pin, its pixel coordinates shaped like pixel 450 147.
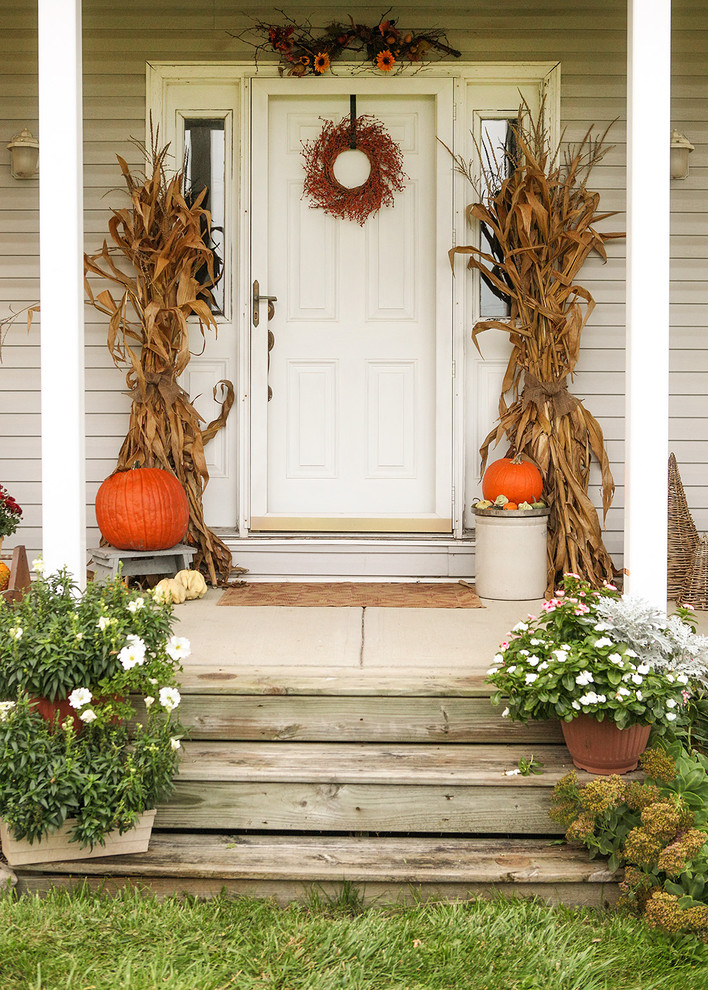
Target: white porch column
pixel 61 286
pixel 648 214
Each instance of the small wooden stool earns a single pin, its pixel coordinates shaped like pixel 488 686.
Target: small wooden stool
pixel 106 561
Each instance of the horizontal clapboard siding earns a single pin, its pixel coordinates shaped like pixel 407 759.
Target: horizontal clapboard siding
pixel 120 38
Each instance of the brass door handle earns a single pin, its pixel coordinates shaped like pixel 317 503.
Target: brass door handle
pixel 256 298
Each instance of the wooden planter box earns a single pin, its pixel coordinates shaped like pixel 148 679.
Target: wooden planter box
pixel 56 847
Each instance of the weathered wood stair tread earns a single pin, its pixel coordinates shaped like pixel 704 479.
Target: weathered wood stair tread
pixel 370 763
pixel 230 679
pixel 313 858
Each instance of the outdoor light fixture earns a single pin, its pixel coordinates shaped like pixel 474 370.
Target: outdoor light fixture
pixel 681 148
pixel 24 149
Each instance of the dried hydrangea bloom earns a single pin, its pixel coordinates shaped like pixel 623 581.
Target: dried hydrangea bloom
pixel 582 828
pixel 638 796
pixel 658 765
pixel 675 858
pixel 602 795
pixel 642 848
pixel 661 820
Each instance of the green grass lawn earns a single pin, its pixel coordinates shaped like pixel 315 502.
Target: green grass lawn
pixel 90 942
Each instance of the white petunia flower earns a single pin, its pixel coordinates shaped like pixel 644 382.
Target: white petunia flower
pixel 510 670
pixel 178 648
pixel 602 641
pixel 149 701
pixel 136 605
pixel 601 699
pixel 103 623
pixel 533 661
pixel 505 713
pixel 38 565
pixel 615 658
pixel 169 698
pixel 643 668
pixel 543 666
pixel 88 715
pixel 602 627
pixel 630 653
pixel 536 642
pixel 584 678
pixel 520 627
pixel 682 679
pixel 523 653
pixel 7 706
pixel 175 743
pixel 575 705
pixel 530 678
pixel 670 716
pixel 623 692
pixel 80 697
pixel 492 670
pixel 670 703
pixel 152 680
pixel 670 678
pixel 561 655
pixel 640 696
pixel 132 656
pixel 589 699
pixel 498 659
pixel 637 679
pixel 16 632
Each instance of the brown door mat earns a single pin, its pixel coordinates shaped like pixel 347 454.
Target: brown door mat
pixel 358 595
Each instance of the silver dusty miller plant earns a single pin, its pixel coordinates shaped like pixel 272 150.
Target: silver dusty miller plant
pixel 667 643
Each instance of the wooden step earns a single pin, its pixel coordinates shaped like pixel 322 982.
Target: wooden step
pixel 386 869
pixel 320 718
pixel 335 787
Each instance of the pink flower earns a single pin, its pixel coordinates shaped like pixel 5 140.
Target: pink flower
pixel 531 618
pixel 685 695
pixel 503 646
pixel 559 593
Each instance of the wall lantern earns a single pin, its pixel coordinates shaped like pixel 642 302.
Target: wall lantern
pixel 681 148
pixel 24 149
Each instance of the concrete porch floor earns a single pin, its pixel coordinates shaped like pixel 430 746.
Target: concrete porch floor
pixel 365 642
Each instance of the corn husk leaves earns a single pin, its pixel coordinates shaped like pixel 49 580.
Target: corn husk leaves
pixel 540 226
pixel 158 248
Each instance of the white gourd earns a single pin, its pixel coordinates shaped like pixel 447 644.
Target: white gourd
pixel 193 582
pixel 170 590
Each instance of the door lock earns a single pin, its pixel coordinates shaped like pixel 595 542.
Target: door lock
pixel 255 301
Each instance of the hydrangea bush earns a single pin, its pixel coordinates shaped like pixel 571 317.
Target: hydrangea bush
pixel 585 654
pixel 98 652
pixel 656 828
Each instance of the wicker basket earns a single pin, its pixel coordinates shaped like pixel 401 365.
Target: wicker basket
pixel 683 536
pixel 695 588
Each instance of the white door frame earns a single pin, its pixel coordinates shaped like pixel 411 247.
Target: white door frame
pixel 161 75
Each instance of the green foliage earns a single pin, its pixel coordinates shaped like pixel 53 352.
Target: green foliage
pixel 55 639
pixel 529 766
pixel 91 651
pixel 570 661
pixel 658 829
pixel 129 942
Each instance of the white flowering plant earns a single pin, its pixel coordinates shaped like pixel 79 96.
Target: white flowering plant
pixel 574 659
pixel 106 661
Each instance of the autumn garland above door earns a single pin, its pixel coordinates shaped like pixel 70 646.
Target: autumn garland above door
pixel 306 50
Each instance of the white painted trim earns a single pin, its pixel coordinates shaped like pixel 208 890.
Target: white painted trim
pixel 544 74
pixel 62 290
pixel 647 342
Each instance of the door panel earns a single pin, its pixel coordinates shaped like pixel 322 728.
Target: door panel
pixel 358 432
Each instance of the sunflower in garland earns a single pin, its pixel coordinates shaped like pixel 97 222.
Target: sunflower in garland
pixel 385 60
pixel 321 63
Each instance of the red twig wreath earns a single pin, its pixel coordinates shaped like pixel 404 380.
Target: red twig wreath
pixel 385 178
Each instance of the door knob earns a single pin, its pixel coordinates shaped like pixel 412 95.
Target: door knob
pixel 255 307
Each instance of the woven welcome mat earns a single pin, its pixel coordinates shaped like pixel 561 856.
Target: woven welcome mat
pixel 357 595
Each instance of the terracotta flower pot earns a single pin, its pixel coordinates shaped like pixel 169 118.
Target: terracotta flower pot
pixel 61 707
pixel 600 747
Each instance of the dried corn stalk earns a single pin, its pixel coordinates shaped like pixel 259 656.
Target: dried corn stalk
pixel 161 237
pixel 540 227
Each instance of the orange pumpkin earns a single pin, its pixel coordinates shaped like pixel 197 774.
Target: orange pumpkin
pixel 142 509
pixel 4 576
pixel 510 505
pixel 519 480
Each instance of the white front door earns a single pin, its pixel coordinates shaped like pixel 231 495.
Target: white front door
pixel 358 433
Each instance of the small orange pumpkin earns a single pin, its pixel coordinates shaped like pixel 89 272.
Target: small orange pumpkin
pixel 142 509
pixel 514 477
pixel 4 576
pixel 510 505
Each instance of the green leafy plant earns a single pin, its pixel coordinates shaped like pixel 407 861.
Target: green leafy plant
pixel 657 829
pixel 574 659
pixel 530 766
pixel 94 761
